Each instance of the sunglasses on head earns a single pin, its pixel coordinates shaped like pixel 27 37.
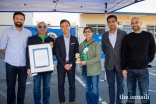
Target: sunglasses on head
pixel 42 27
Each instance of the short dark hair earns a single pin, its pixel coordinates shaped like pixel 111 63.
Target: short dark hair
pixel 64 20
pixel 112 16
pixel 18 13
pixel 90 28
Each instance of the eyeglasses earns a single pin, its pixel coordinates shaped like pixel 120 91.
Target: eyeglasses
pixel 42 27
pixel 87 32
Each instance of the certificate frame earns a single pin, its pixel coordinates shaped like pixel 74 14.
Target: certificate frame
pixel 41 58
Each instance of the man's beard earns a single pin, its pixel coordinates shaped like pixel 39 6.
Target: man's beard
pixel 135 29
pixel 18 24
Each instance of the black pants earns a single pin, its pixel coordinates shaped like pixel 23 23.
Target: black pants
pixel 112 77
pixel 11 75
pixel 61 72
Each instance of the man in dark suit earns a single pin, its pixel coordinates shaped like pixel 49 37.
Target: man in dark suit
pixel 111 46
pixel 40 38
pixel 66 46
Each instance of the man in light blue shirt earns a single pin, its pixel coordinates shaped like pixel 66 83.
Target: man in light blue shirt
pixel 13 44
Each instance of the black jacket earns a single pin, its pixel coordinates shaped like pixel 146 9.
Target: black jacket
pixel 61 51
pixel 33 40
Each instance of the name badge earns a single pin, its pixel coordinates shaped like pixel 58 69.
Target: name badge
pixel 86 50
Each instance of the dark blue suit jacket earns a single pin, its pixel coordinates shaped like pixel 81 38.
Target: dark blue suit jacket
pixel 60 50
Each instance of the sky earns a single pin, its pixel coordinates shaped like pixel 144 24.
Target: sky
pixel 54 18
pixel 146 6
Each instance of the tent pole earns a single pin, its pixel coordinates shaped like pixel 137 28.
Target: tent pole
pixel 105 17
pixel 105 79
pixel 106 22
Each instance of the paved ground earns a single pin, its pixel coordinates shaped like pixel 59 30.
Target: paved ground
pixel 80 89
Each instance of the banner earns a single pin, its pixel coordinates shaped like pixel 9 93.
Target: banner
pixel 56 32
pixel 98 38
pixel 53 32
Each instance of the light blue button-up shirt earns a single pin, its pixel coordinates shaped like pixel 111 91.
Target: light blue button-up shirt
pixel 15 42
pixel 67 42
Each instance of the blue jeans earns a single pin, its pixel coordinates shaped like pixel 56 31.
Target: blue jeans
pixel 11 75
pixel 140 76
pixel 111 74
pixel 46 88
pixel 92 90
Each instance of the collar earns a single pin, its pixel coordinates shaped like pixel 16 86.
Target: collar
pixel 39 35
pixel 86 40
pixel 66 37
pixel 113 33
pixel 89 40
pixel 18 30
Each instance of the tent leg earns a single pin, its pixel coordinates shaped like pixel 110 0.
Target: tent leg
pixel 105 77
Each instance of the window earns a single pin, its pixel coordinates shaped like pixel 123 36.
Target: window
pixel 97 28
pixel 152 29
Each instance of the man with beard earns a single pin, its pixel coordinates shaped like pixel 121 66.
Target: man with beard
pixel 111 45
pixel 13 44
pixel 138 49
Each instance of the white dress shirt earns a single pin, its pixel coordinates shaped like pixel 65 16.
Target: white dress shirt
pixel 67 43
pixel 112 38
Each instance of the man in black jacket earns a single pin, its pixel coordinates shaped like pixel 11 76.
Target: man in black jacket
pixel 138 49
pixel 40 38
pixel 66 46
pixel 111 45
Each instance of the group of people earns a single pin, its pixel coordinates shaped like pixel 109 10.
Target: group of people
pixel 126 55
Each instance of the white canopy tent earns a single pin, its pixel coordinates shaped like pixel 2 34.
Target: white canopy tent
pixel 145 7
pixel 72 6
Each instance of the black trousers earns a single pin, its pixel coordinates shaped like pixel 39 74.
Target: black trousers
pixel 61 72
pixel 11 75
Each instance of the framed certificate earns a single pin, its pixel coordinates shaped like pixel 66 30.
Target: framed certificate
pixel 41 58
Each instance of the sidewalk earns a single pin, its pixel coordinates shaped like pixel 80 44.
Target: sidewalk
pixel 80 89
